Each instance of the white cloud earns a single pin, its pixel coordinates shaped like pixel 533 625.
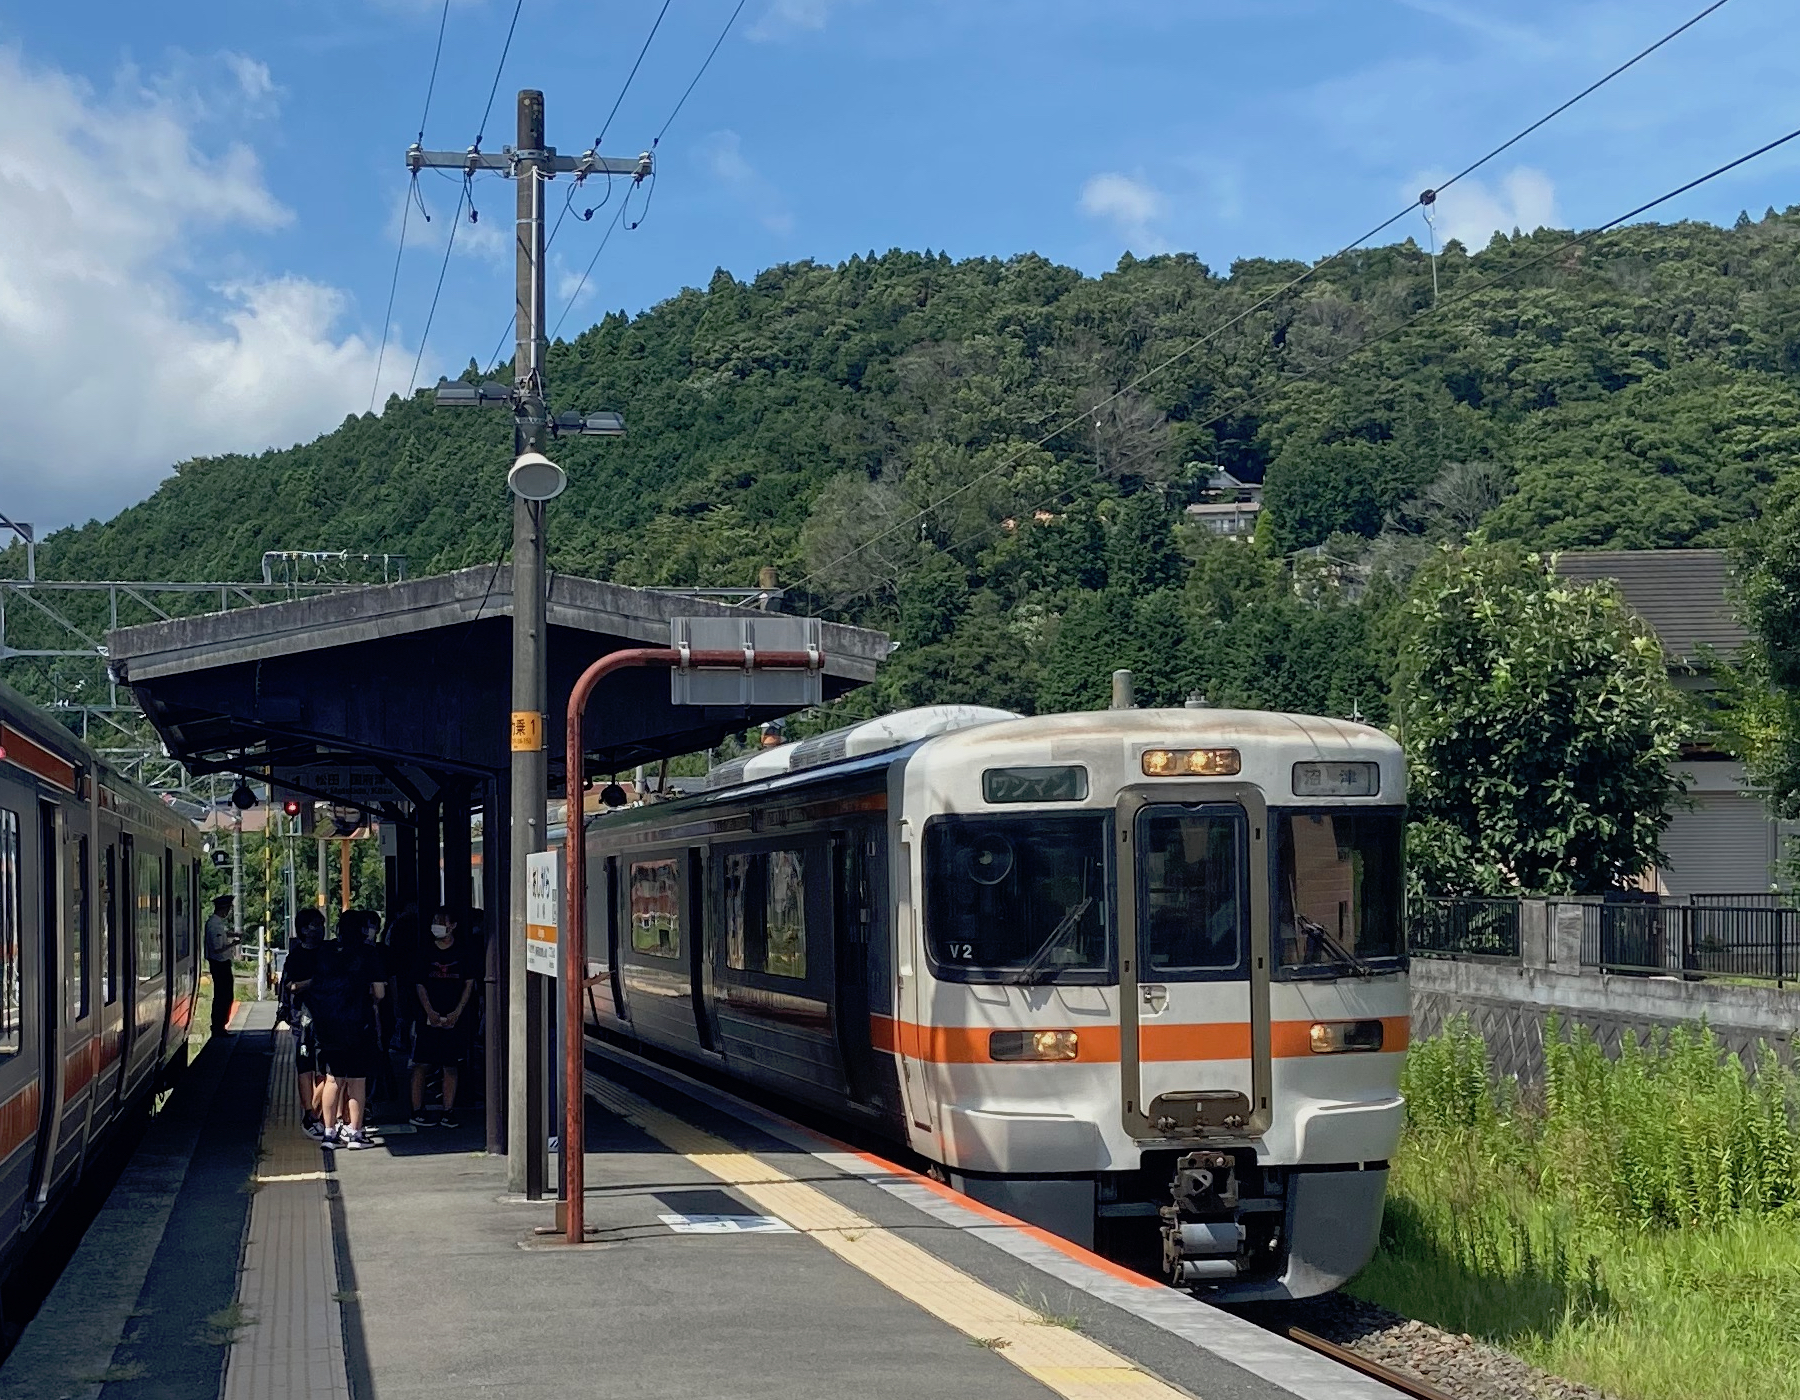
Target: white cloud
pixel 793 16
pixel 1472 211
pixel 724 152
pixel 113 365
pixel 1131 205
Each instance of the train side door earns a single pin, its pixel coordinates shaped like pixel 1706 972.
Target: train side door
pixel 21 956
pixel 1194 958
pixel 49 999
pixel 911 1036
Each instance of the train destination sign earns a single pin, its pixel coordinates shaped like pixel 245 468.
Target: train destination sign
pixel 361 785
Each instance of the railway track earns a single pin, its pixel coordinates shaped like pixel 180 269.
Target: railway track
pixel 1399 1380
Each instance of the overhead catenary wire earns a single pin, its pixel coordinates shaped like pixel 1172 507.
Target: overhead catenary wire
pixel 387 316
pixel 704 65
pixel 1459 294
pixel 1424 199
pixel 606 125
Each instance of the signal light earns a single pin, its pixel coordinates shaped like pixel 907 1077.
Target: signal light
pixel 291 806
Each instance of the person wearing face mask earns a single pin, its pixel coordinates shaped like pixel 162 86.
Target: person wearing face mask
pixel 444 988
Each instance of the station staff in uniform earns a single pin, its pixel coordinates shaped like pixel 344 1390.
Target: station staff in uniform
pixel 221 948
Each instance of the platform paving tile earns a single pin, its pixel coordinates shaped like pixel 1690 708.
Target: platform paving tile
pixel 291 1342
pixel 451 1301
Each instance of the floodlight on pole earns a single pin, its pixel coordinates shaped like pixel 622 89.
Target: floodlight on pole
pixel 571 423
pixel 459 393
pixel 534 477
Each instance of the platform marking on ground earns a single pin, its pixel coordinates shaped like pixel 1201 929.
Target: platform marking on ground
pixel 1072 1365
pixel 1253 1349
pixel 726 1225
pixel 292 1341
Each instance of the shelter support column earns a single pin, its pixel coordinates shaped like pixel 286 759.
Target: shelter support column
pixel 459 875
pixel 495 891
pixel 429 817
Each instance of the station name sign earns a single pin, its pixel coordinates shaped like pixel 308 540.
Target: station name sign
pixel 360 785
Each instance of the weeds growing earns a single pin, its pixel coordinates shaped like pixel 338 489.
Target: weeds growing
pixel 1637 1227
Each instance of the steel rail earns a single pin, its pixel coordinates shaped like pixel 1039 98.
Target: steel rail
pixel 573 934
pixel 1399 1380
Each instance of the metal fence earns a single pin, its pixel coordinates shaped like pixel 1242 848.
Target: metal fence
pixel 1699 939
pixel 1464 928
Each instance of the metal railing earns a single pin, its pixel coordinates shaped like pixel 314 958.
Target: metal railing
pixel 1464 928
pixel 1698 939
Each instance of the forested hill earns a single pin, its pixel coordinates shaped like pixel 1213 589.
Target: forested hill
pixel 1643 390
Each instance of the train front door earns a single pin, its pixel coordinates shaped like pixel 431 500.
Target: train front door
pixel 1191 864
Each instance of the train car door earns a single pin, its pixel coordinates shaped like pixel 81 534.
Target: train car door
pixel 1194 962
pixel 21 1049
pixel 909 969
pixel 52 1078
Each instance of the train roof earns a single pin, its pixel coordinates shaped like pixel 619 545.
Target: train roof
pixel 26 717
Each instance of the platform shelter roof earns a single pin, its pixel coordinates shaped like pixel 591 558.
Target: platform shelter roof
pixel 412 679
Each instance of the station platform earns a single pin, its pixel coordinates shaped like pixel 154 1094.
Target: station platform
pixel 731 1254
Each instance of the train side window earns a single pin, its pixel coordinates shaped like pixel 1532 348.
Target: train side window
pixel 656 908
pixel 178 889
pixel 12 991
pixel 784 924
pixel 109 926
pixel 147 922
pixel 81 946
pixel 765 912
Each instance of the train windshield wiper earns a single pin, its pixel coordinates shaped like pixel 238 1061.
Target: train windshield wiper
pixel 1329 941
pixel 1029 969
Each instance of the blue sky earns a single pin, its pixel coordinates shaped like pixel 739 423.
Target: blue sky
pixel 199 199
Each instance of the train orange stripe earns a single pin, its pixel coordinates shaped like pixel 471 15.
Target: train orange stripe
pixel 19 1119
pixel 1160 1043
pixel 33 757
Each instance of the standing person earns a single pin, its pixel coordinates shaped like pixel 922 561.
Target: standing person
pixel 221 948
pixel 296 976
pixel 444 990
pixel 347 984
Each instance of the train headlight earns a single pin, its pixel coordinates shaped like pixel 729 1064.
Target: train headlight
pixel 1341 1037
pixel 1190 763
pixel 1033 1045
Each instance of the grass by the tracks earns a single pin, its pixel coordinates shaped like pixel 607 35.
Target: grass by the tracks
pixel 1638 1229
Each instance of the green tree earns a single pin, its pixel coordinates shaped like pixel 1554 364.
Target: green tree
pixel 1539 724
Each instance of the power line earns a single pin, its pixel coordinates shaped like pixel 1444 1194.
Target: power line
pixel 1458 295
pixel 604 240
pixel 387 317
pixel 1425 198
pixel 499 68
pixel 633 73
pixel 449 243
pixel 698 76
pixel 431 86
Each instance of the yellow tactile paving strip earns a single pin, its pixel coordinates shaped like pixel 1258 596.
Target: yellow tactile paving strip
pixel 1070 1364
pixel 292 1341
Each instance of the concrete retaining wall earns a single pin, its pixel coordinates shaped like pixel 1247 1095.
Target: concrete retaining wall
pixel 1508 1002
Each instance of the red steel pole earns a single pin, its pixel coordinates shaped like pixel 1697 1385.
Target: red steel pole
pixel 574 930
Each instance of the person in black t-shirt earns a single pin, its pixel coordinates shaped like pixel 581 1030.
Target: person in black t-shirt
pixel 444 989
pixel 296 975
pixel 348 982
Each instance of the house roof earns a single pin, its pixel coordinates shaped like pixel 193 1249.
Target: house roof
pixel 1679 593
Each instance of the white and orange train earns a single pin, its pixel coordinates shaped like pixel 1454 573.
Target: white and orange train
pixel 99 935
pixel 1116 972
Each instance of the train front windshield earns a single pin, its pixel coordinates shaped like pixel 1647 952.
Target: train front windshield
pixel 1338 891
pixel 1019 898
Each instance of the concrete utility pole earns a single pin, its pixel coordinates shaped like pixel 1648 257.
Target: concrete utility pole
pixel 534 481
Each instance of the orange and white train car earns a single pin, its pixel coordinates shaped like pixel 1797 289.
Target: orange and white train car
pixel 99 947
pixel 1134 975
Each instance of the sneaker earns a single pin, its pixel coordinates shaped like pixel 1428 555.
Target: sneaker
pixel 446 1121
pixel 420 1120
pixel 329 1137
pixel 353 1141
pixel 315 1130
